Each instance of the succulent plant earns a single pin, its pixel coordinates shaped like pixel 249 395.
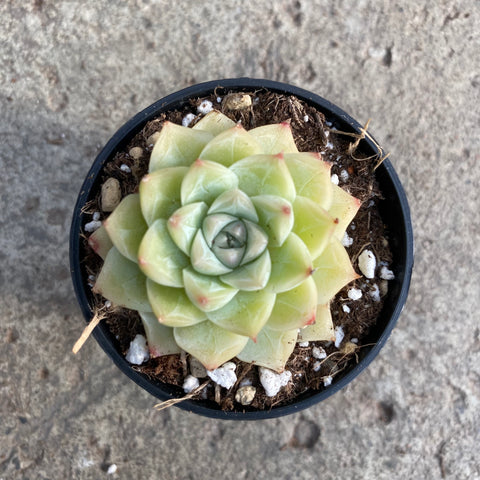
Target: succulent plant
pixel 232 247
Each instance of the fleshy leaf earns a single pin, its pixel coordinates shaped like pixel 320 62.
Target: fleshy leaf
pixel 275 217
pixel 159 337
pixel 172 307
pixel 252 276
pixel 100 242
pixel 291 264
pixel 311 176
pixel 235 202
pixel 333 271
pixel 295 308
pixel 205 292
pixel 213 224
pixel 203 259
pixel 257 241
pixel 125 226
pixel 245 314
pixel 210 344
pixel 275 138
pixel 271 349
pixel 184 223
pixel 214 122
pixel 122 282
pixel 344 207
pixel 264 175
pixel 159 258
pixel 230 146
pixel 160 193
pixel 177 146
pixel 205 181
pixel 321 330
pixel 312 224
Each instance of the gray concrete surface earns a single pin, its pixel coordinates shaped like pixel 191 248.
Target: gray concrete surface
pixel 72 72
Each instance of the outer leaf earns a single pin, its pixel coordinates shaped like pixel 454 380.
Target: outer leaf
pixel 210 344
pixel 245 314
pixel 214 122
pixel 205 181
pixel 236 203
pixel 321 330
pixel 203 259
pixel 271 350
pixel 100 242
pixel 333 271
pixel 122 282
pixel 177 146
pixel 311 176
pixel 313 225
pixel 291 264
pixel 159 338
pixel 252 276
pixel 264 175
pixel 160 193
pixel 159 258
pixel 230 146
pixel 275 217
pixel 172 307
pixel 126 226
pixel 295 308
pixel 344 207
pixel 206 293
pixel 275 138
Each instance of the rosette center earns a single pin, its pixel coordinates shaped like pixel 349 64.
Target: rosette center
pixel 230 244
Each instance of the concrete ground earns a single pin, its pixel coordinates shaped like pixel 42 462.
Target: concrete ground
pixel 71 74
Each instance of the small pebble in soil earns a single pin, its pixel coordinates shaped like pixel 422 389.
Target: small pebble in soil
pixel 205 107
pixel 111 194
pixel 96 216
pixel 386 274
pixel 137 351
pixel 93 225
pixel 317 366
pixel 224 376
pixel 303 344
pixel 375 293
pixel 339 335
pixel 327 381
pixel 237 101
pixel 245 395
pixel 108 304
pixel 319 353
pixel 272 381
pixel 135 153
pixel 125 168
pixel 190 383
pixel 344 175
pixel 367 263
pixel 347 241
pixel 188 119
pixel 354 340
pixel 306 119
pixel 334 179
pixel 346 308
pixel 152 139
pixel 354 293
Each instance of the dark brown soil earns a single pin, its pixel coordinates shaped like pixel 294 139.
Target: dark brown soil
pixel 313 134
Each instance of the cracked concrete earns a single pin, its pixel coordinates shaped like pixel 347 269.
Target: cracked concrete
pixel 72 74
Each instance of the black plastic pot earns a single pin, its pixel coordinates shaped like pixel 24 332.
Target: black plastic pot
pixel 394 210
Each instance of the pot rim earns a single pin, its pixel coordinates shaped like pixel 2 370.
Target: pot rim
pixel 332 112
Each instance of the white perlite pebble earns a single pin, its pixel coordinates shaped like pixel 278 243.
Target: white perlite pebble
pixel 334 179
pixel 137 351
pixel 354 294
pixel 125 168
pixel 367 263
pixel 205 107
pixel 386 274
pixel 306 119
pixel 344 175
pixel 272 382
pixel 111 469
pixel 224 375
pixel 317 366
pixel 303 344
pixel 339 336
pixel 319 353
pixel 190 383
pixel 327 381
pixel 346 308
pixel 347 241
pixel 188 119
pixel 93 225
pixel 375 293
pixel 96 216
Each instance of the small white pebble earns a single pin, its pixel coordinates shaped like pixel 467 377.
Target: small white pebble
pixel 339 336
pixel 125 168
pixel 354 294
pixel 334 179
pixel 190 383
pixel 137 351
pixel 111 469
pixel 386 274
pixel 305 118
pixel 205 107
pixel 108 304
pixel 367 263
pixel 96 216
pixel 329 145
pixel 375 293
pixel 272 381
pixel 346 308
pixel 93 225
pixel 246 382
pixel 219 99
pixel 344 175
pixel 319 353
pixel 347 241
pixel 225 375
pixel 92 278
pixel 188 119
pixel 327 381
pixel 328 124
pixel 303 344
pixel 317 366
pixel 354 340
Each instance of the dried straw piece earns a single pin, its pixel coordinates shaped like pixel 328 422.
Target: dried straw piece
pixel 97 318
pixel 174 401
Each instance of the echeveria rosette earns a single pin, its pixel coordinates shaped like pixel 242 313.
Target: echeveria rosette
pixel 232 245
